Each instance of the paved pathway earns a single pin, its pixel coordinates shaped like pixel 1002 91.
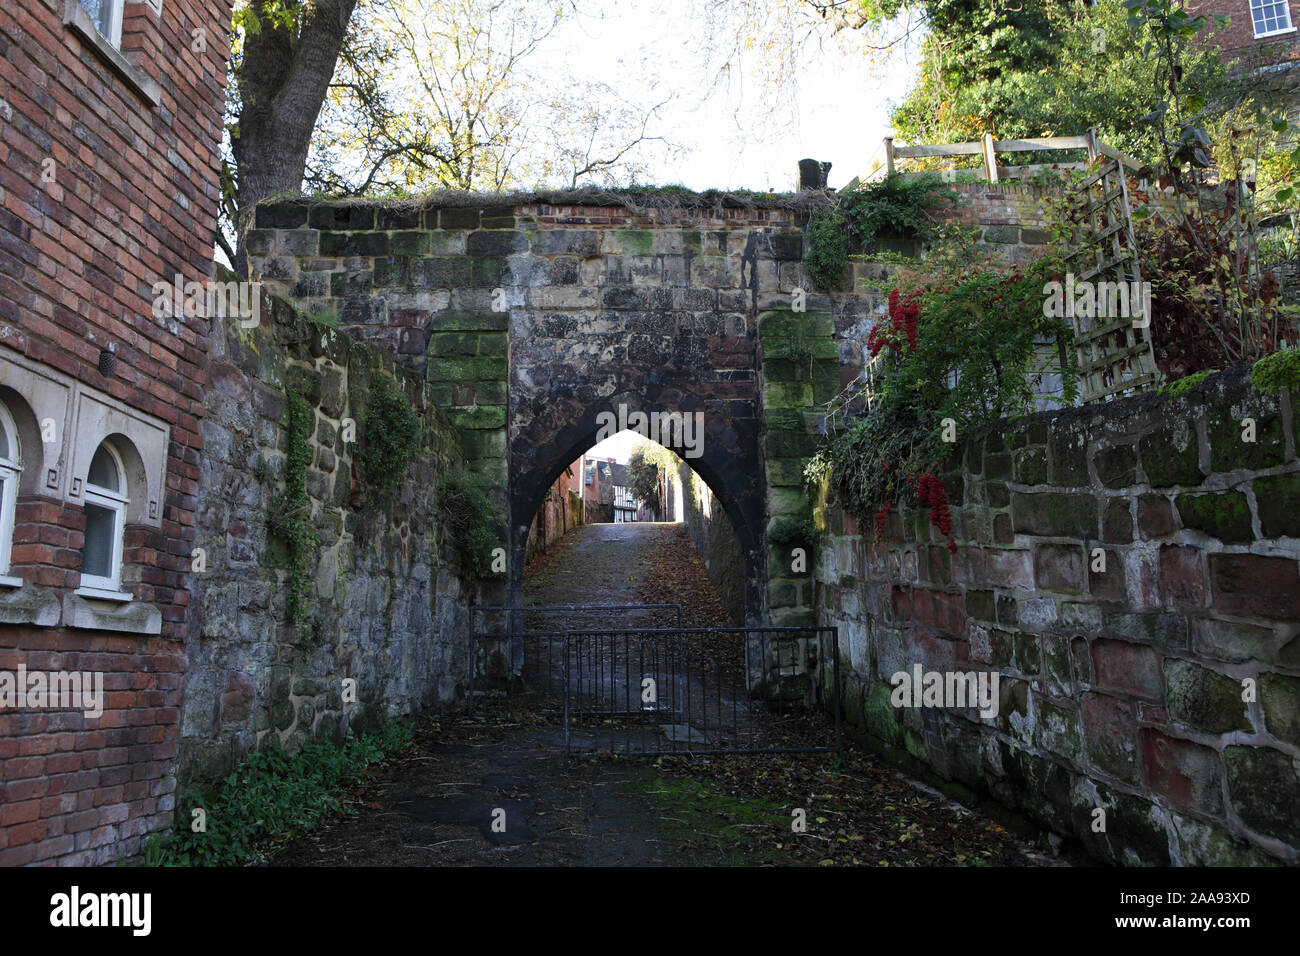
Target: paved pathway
pixel 496 789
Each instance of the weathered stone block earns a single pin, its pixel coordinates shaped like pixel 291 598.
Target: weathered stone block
pixel 1233 641
pixel 459 218
pixel 1128 668
pixel 1117 522
pixel 1201 699
pixel 1182 576
pixel 1277 499
pixel 1059 567
pixel 1170 457
pixel 1228 448
pixel 1264 786
pixel 1186 774
pixel 1251 585
pixel 469 320
pixel 1116 465
pixel 1221 514
pixel 1031 466
pixel 1279 696
pixel 354 243
pixel 1054 514
pixel 1110 732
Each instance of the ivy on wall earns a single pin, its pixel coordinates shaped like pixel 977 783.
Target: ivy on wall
pixel 391 432
pixel 870 218
pixel 474 526
pixel 966 342
pixel 289 515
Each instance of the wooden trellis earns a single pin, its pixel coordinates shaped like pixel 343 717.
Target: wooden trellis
pixel 1115 353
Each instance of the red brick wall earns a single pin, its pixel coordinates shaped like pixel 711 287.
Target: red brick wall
pixel 132 203
pixel 1239 35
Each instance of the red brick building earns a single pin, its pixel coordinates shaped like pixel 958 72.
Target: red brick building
pixel 1259 32
pixel 110 125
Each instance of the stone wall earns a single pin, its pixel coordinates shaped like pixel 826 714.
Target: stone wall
pixel 561 511
pixel 601 306
pixel 384 609
pixel 714 539
pixel 1129 572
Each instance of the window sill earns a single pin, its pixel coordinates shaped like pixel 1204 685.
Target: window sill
pixel 80 23
pixel 30 605
pixel 134 617
pixel 103 594
pixel 1275 33
pixel 7 581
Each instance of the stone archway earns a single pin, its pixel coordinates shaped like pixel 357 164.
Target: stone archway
pixel 728 461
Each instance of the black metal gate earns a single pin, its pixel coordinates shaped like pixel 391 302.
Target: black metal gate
pixel 656 690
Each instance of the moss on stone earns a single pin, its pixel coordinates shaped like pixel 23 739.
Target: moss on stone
pixel 1222 515
pixel 1272 372
pixel 1278 500
pixel 880 717
pixel 1185 384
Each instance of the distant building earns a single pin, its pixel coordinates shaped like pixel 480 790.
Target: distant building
pixel 624 503
pixel 597 490
pixel 1261 34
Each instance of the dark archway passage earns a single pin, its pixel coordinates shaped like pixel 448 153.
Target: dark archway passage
pixel 729 463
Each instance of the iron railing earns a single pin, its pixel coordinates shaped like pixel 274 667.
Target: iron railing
pixel 659 690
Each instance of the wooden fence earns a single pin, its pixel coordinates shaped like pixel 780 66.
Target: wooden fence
pixel 886 160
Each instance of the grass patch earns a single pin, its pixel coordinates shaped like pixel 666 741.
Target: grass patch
pixel 271 797
pixel 698 824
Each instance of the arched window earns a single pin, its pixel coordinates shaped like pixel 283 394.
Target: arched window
pixel 11 463
pixel 106 501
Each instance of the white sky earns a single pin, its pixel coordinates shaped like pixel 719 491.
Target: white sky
pixel 619 447
pixel 731 135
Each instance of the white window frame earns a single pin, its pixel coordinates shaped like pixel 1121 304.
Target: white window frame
pixel 1259 5
pixel 92 585
pixel 116 13
pixel 11 470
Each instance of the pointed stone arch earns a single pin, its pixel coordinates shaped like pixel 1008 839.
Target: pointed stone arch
pixel 729 462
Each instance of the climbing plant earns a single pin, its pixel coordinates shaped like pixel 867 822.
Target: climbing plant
pixel 391 433
pixel 644 467
pixel 960 347
pixel 896 206
pixel 289 514
pixel 475 528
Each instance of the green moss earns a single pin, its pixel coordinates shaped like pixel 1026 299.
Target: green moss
pixel 881 717
pixel 1184 385
pixel 1223 515
pixel 698 823
pixel 637 241
pixel 1274 371
pixel 794 530
pixel 915 746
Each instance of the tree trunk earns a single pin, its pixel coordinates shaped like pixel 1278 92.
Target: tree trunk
pixel 282 82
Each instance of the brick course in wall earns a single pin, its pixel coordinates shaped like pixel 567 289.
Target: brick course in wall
pixel 103 192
